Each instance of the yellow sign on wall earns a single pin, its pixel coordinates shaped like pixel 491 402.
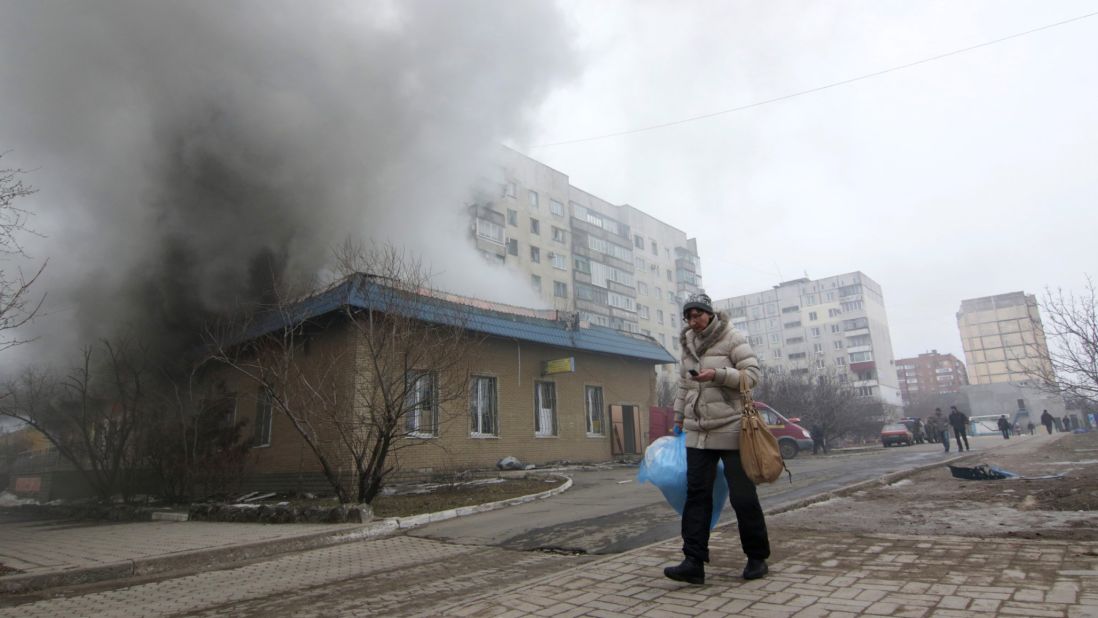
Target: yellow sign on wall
pixel 560 365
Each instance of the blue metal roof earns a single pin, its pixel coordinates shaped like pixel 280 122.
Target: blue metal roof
pixel 365 293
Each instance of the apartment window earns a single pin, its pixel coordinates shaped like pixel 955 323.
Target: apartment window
pixel 659 316
pixel 777 352
pixel 534 200
pixel 663 339
pixel 861 357
pixel 642 288
pixel 512 217
pixel 560 289
pixel 671 297
pixel 815 330
pixel 851 306
pixel 490 230
pixel 811 316
pixel 840 361
pixel 642 311
pixel 796 324
pixel 838 345
pixel 535 227
pixel 655 249
pixel 793 309
pixel 581 264
pixel 640 264
pixel 833 312
pixel 593 404
pixel 545 409
pixel 556 208
pixel 559 235
pixel 512 246
pixel 483 410
pixel 535 255
pixel 835 328
pixel 421 416
pixel 794 340
pixel 559 261
pixel 535 281
pixel 510 189
pixel 262 434
pixel 817 348
pixel 797 356
pixel 638 241
pixel 819 363
pixel 775 338
pixel 669 276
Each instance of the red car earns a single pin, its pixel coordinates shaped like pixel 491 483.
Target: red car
pixel 896 433
pixel 792 438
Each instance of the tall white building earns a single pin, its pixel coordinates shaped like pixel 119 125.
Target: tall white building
pixel 834 326
pixel 613 264
pixel 1003 339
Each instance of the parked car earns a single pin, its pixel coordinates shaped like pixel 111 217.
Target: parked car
pixel 792 438
pixel 915 426
pixel 896 433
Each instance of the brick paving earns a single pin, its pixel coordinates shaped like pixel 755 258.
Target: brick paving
pixel 822 575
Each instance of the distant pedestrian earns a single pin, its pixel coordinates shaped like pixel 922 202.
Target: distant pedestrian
pixel 1046 420
pixel 941 428
pixel 1004 426
pixel 959 422
pixel 1030 426
pixel 1067 423
pixel 818 442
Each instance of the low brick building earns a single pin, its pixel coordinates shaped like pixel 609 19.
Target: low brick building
pixel 543 387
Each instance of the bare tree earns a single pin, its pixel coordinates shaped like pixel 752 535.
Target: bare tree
pixel 17 307
pixel 91 416
pixel 1072 324
pixel 368 380
pixel 666 388
pixel 823 404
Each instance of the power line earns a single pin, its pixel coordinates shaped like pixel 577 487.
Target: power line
pixel 818 88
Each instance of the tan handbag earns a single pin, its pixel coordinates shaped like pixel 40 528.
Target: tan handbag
pixel 759 452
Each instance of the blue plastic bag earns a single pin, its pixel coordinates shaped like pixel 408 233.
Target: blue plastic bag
pixel 664 465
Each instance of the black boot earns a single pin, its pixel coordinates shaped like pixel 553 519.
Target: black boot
pixel 691 571
pixel 755 569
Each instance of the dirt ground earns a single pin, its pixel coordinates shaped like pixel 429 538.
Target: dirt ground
pixel 934 502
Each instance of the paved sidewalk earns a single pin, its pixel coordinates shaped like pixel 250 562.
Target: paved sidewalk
pixel 62 553
pixel 822 575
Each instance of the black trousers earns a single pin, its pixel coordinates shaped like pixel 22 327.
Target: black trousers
pixel 961 432
pixel 701 472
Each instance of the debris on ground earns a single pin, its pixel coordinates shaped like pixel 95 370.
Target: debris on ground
pixel 984 472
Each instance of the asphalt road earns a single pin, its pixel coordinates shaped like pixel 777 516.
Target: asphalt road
pixel 606 511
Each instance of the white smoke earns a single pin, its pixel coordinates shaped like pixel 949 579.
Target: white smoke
pixel 183 148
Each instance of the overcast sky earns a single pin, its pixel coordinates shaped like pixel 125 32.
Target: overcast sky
pixel 972 175
pixel 156 131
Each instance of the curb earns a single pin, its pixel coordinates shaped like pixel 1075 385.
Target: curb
pixel 32 582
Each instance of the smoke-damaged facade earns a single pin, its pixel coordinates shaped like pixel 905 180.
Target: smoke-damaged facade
pixel 613 264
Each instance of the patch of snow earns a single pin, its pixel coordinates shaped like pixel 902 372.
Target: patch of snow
pixel 10 499
pixel 1086 462
pixel 900 483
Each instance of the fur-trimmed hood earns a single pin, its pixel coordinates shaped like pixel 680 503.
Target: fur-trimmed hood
pixel 697 344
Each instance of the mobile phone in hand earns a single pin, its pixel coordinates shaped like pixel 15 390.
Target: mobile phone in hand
pixel 693 373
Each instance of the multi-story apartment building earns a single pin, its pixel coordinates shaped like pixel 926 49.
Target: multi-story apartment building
pixel 930 374
pixel 834 326
pixel 613 264
pixel 1003 339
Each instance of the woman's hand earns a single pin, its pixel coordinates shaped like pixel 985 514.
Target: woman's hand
pixel 706 376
